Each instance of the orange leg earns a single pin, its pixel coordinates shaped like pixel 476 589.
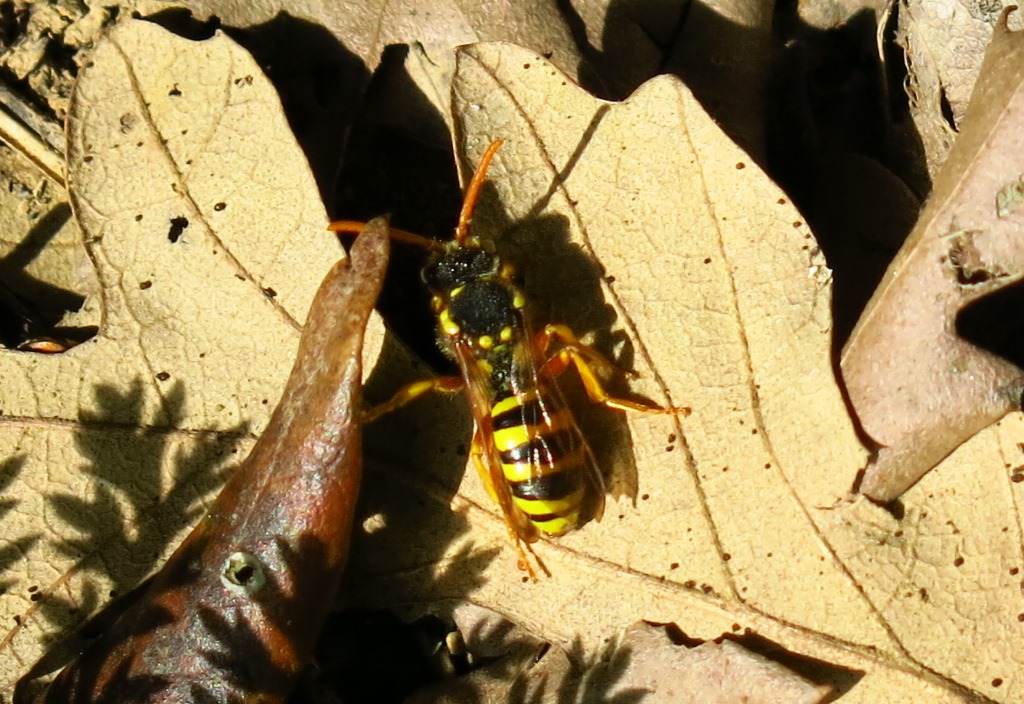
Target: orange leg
pixel 410 392
pixel 591 365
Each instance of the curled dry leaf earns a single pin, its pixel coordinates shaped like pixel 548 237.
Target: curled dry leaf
pixel 207 234
pixel 944 46
pixel 641 225
pixel 641 663
pixel 920 389
pixel 644 659
pixel 235 611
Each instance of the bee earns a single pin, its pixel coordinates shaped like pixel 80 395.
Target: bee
pixel 527 447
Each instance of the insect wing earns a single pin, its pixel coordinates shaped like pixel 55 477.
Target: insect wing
pixel 559 455
pixel 485 453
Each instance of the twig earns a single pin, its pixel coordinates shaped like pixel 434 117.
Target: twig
pixel 32 135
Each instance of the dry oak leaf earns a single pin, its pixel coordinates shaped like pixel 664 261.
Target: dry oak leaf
pixel 716 288
pixel 919 387
pixel 205 227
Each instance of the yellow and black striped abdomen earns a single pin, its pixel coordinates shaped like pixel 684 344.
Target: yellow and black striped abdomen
pixel 543 458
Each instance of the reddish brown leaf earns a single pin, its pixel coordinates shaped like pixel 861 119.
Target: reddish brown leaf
pixel 235 611
pixel 919 388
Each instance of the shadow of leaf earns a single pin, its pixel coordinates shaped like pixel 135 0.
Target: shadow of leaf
pixel 133 510
pixel 13 550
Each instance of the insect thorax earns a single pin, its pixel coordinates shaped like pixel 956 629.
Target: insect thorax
pixel 477 305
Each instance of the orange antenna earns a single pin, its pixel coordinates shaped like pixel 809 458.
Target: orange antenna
pixel 473 191
pixel 354 227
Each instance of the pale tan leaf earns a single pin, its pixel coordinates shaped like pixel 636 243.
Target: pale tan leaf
pixel 918 386
pixel 642 225
pixel 207 234
pixel 737 330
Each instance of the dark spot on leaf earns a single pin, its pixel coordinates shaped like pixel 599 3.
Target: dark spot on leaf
pixel 740 166
pixel 145 285
pixel 178 226
pixel 138 218
pixel 174 91
pixel 958 561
